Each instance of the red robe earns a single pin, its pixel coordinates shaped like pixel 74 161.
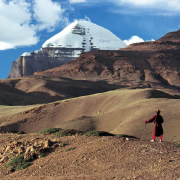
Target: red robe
pixel 158 120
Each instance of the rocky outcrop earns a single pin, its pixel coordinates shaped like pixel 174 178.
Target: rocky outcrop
pixel 171 36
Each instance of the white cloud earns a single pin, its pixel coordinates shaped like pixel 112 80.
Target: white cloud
pixel 133 39
pixel 84 19
pixel 15 29
pixel 157 5
pixel 48 14
pixel 150 40
pixel 77 1
pixel 21 20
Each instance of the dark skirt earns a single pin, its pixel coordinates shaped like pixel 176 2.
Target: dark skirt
pixel 158 130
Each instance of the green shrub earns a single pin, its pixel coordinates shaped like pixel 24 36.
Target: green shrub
pixel 19 163
pixel 42 154
pixel 98 133
pixel 69 149
pixel 18 132
pixel 50 130
pixel 178 145
pixel 69 132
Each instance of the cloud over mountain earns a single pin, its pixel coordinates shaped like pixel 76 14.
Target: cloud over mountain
pixel 133 39
pixel 21 20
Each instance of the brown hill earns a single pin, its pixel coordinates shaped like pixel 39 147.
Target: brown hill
pixel 171 36
pixel 12 96
pixel 120 111
pixel 145 64
pixel 41 89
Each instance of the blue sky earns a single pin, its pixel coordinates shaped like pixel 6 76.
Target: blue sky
pixel 27 24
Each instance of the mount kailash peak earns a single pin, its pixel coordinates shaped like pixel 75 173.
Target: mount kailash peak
pixel 78 37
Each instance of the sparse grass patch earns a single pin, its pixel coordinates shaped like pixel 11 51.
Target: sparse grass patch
pixel 68 132
pixel 50 130
pixel 98 133
pixel 19 163
pixel 178 145
pixel 69 149
pixel 72 132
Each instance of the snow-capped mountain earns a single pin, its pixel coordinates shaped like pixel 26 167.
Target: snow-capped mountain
pixel 78 37
pixel 85 35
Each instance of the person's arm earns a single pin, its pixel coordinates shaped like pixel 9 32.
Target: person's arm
pixel 151 119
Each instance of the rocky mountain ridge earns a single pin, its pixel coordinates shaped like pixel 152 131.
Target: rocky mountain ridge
pixel 147 62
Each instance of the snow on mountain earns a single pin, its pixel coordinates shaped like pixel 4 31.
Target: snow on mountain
pixel 85 35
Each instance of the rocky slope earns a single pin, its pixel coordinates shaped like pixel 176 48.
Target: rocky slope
pixel 91 158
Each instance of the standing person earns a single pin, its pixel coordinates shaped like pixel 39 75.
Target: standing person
pixel 158 129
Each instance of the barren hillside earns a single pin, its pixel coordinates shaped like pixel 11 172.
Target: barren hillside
pixel 120 111
pixel 40 89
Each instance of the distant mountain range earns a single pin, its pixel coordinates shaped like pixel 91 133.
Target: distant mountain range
pixel 78 37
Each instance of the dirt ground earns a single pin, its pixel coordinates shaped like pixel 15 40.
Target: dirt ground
pixel 94 158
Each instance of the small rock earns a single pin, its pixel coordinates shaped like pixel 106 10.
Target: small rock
pixel 8 148
pixel 47 144
pixel 3 159
pixel 20 150
pixel 27 150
